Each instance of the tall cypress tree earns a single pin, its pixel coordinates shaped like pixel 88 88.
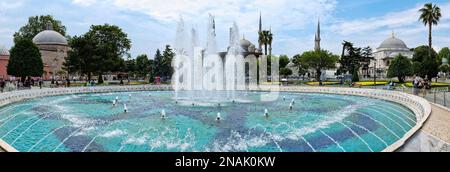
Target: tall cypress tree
pixel 25 60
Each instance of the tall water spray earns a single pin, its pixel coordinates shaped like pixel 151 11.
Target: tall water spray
pixel 203 69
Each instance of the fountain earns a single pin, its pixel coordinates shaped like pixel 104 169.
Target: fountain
pixel 266 113
pixel 163 114
pixel 218 118
pixel 205 69
pixel 125 108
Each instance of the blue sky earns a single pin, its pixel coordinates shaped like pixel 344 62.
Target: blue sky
pixel 151 24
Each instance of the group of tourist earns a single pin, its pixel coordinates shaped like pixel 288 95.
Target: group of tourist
pixel 420 83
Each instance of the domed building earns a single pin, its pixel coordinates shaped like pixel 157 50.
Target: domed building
pixel 4 58
pixel 53 47
pixel 385 53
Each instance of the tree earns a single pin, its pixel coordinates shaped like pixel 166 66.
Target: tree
pixel 168 56
pixel 265 38
pixel 159 64
pixel 142 65
pixel 130 66
pixel 429 65
pixel 25 60
pixel 111 44
pixel 283 61
pixel 400 67
pixel 354 58
pixel 416 67
pixel 81 57
pixel 444 53
pixel 302 68
pixel 38 24
pixel 285 72
pixel 430 15
pixel 318 61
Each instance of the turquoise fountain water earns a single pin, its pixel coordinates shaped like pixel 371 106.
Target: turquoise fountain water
pixel 156 122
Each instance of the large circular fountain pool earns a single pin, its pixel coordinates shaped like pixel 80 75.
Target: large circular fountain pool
pixel 317 122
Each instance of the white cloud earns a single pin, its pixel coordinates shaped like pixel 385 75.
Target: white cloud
pixel 84 2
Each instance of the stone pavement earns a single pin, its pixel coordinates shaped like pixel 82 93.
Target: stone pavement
pixel 434 135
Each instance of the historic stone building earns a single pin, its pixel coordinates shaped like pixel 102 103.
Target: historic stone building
pixel 53 47
pixel 385 53
pixel 4 58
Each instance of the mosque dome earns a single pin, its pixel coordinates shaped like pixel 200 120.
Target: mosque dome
pixel 393 43
pixel 49 37
pixel 246 45
pixel 3 51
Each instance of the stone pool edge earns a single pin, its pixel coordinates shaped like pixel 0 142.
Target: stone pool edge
pixel 420 106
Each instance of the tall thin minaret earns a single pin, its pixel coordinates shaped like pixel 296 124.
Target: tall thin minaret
pixel 259 31
pixel 317 39
pixel 214 26
pixel 260 22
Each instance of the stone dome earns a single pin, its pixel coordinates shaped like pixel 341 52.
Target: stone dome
pixel 49 37
pixel 393 43
pixel 246 44
pixel 4 51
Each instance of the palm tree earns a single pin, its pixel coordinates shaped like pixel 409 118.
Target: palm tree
pixel 269 41
pixel 261 39
pixel 430 15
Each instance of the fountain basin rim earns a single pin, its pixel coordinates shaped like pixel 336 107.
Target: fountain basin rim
pixel 420 106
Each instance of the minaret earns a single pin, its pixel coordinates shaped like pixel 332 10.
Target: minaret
pixel 260 31
pixel 317 39
pixel 214 26
pixel 49 26
pixel 270 45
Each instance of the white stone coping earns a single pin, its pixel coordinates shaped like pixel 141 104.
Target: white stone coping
pixel 418 105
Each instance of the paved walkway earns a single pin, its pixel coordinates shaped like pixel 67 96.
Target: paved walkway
pixel 434 135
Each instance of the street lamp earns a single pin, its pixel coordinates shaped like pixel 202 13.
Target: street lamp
pixel 375 74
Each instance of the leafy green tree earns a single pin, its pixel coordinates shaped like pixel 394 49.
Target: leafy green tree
pixel 400 67
pixel 81 58
pixel 318 61
pixel 38 24
pixel 430 15
pixel 111 44
pixel 302 68
pixel 354 58
pixel 142 65
pixel 283 61
pixel 421 52
pixel 429 65
pixel 25 60
pixel 416 67
pixel 285 72
pixel 167 69
pixel 444 53
pixel 159 64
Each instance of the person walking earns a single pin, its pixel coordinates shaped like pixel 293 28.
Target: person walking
pixel 2 85
pixel 40 83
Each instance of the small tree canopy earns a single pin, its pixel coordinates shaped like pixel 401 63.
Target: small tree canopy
pixel 400 67
pixel 318 60
pixel 38 24
pixel 25 60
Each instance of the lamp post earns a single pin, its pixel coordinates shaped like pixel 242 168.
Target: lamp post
pixel 375 74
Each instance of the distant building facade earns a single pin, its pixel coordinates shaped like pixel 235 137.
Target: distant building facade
pixel 53 48
pixel 385 53
pixel 4 58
